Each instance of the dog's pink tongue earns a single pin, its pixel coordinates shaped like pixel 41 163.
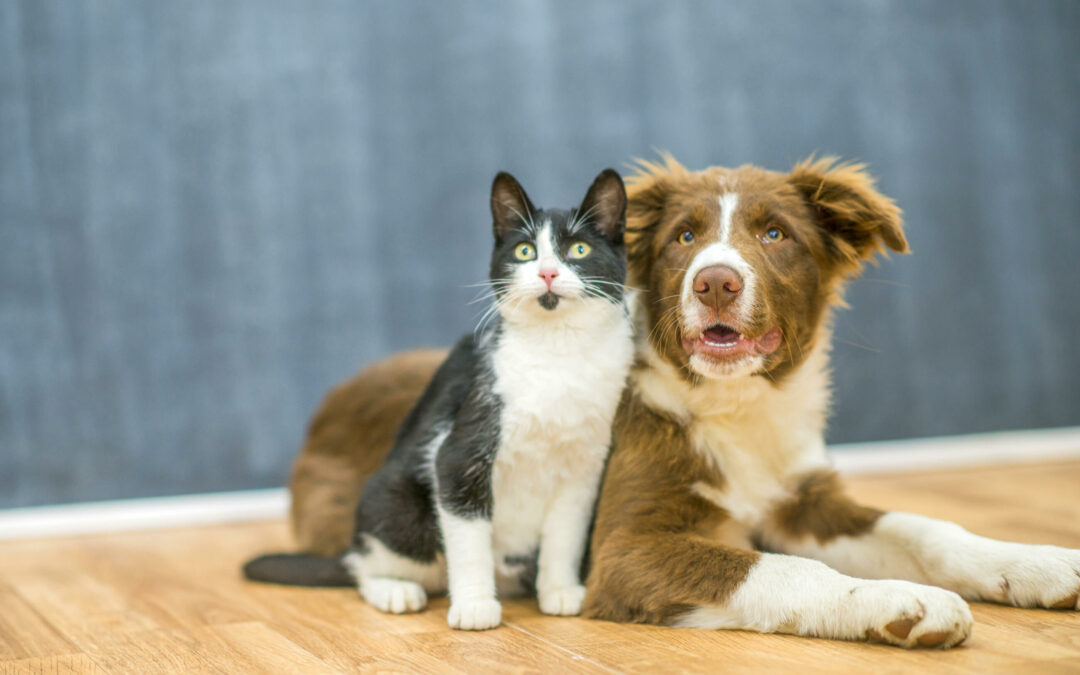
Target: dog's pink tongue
pixel 768 343
pixel 721 335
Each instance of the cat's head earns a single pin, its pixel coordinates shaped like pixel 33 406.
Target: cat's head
pixel 548 261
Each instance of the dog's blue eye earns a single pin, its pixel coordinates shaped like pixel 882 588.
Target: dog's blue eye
pixel 773 235
pixel 686 237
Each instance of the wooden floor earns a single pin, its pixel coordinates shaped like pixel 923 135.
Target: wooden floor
pixel 173 601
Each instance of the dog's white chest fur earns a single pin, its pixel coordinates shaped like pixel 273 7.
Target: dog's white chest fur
pixel 559 388
pixel 760 436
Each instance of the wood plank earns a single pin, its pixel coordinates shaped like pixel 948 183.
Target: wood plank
pixel 80 607
pixel 57 664
pixel 24 633
pixel 248 647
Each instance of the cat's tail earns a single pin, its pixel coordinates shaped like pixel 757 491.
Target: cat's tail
pixel 298 569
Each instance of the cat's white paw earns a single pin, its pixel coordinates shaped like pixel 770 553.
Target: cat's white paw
pixel 910 615
pixel 562 601
pixel 395 596
pixel 1034 576
pixel 474 614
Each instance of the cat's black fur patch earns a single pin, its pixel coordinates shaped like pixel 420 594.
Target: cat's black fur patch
pixel 396 506
pixel 530 567
pixel 549 300
pixel 463 465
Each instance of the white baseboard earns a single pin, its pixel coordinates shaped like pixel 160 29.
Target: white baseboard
pixel 143 514
pixel 948 452
pixel 922 454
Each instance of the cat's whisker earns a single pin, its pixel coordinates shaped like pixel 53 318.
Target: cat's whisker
pixel 581 219
pixel 490 289
pixel 530 225
pixel 489 314
pixel 598 293
pixel 493 292
pixel 608 282
pixel 483 321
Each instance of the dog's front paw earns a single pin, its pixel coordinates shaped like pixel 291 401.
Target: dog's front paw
pixel 474 614
pixel 910 615
pixel 1037 576
pixel 562 601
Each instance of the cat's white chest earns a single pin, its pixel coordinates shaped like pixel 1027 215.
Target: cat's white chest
pixel 559 393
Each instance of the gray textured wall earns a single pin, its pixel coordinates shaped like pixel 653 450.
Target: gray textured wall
pixel 212 211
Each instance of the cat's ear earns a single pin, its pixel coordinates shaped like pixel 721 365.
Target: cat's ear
pixel 605 205
pixel 510 206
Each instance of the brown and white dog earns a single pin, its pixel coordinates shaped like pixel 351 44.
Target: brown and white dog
pixel 719 508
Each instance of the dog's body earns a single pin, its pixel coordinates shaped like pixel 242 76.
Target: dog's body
pixel 718 507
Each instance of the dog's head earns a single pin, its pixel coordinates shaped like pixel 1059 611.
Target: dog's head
pixel 738 267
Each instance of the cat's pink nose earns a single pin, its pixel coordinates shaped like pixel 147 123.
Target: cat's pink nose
pixel 549 276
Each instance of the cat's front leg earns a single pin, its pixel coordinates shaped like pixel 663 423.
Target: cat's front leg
pixel 470 566
pixel 464 504
pixel 562 545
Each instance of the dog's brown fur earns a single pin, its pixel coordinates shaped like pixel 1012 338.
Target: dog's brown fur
pixel 656 546
pixel 820 509
pixel 649 546
pixel 832 210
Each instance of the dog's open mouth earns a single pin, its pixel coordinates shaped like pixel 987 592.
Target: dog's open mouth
pixel 723 341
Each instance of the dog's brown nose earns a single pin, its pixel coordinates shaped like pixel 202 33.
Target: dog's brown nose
pixel 717 286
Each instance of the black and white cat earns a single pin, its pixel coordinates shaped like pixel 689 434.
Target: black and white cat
pixel 491 485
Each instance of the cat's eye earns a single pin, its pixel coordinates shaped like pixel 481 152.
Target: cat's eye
pixel 686 237
pixel 773 235
pixel 524 252
pixel 579 249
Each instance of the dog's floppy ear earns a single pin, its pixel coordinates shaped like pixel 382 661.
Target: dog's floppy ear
pixel 647 190
pixel 844 201
pixel 510 206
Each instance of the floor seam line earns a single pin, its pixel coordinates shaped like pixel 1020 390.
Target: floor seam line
pixel 565 649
